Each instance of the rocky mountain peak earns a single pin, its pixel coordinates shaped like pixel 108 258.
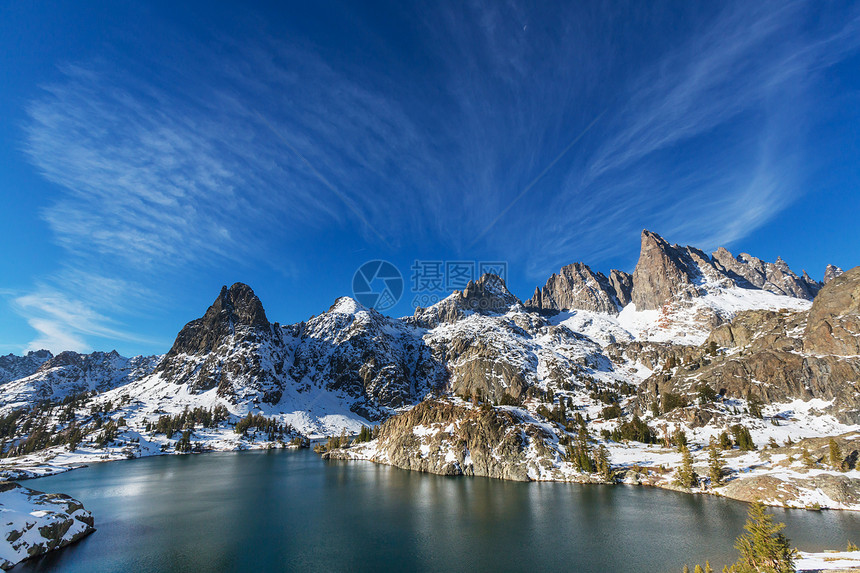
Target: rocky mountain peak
pixel 13 367
pixel 665 271
pixel 65 358
pixel 241 305
pixel 751 272
pixel 577 286
pixel 346 305
pixel 237 310
pixel 488 295
pixel 831 272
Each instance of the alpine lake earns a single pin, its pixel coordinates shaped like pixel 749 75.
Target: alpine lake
pixel 289 510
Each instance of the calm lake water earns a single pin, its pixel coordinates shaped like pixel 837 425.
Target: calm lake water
pixel 292 511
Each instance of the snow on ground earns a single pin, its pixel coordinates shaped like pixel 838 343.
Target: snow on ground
pixel 690 321
pixel 681 321
pixel 31 522
pixel 603 328
pixel 828 561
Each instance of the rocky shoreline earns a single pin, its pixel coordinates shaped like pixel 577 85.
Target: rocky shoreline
pixel 33 523
pixel 453 437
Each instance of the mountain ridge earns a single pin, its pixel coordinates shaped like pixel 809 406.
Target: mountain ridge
pixel 234 380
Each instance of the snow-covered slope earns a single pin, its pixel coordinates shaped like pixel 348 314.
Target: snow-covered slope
pixel 14 367
pixel 33 523
pixel 70 373
pixel 684 321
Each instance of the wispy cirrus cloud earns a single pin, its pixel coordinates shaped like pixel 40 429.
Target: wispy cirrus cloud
pixel 708 143
pixel 236 160
pixel 63 322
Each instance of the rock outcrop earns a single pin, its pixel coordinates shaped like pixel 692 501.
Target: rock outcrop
pixel 831 272
pixel 33 523
pixel 576 286
pixel 777 277
pixel 439 437
pixel 488 295
pixel 833 326
pixel 779 489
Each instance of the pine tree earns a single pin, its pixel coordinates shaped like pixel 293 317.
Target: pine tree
pixel 716 466
pixel 835 454
pixel 580 453
pixel 686 569
pixel 743 438
pixel 708 568
pixel 183 446
pixel 601 459
pixel 698 569
pixel 763 548
pixel 680 438
pixel 686 475
pixel 725 441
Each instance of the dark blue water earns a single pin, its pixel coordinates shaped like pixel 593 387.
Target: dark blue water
pixel 291 511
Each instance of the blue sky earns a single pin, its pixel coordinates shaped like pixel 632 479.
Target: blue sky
pixel 151 152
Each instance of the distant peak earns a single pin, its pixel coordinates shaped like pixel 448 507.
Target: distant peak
pixel 487 295
pixel 65 358
pixel 346 305
pixel 240 304
pixel 487 284
pixel 235 308
pixel 831 272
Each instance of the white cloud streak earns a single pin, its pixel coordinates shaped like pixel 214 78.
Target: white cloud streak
pixel 710 143
pixel 65 323
pixel 235 161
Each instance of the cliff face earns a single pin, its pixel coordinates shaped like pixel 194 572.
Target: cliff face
pixel 576 286
pixel 665 272
pixel 833 326
pixel 781 356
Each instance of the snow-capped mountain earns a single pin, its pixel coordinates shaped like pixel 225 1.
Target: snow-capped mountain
pixel 13 367
pixel 69 373
pixel 605 348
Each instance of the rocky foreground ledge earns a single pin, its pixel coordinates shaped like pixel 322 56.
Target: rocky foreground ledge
pixel 33 523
